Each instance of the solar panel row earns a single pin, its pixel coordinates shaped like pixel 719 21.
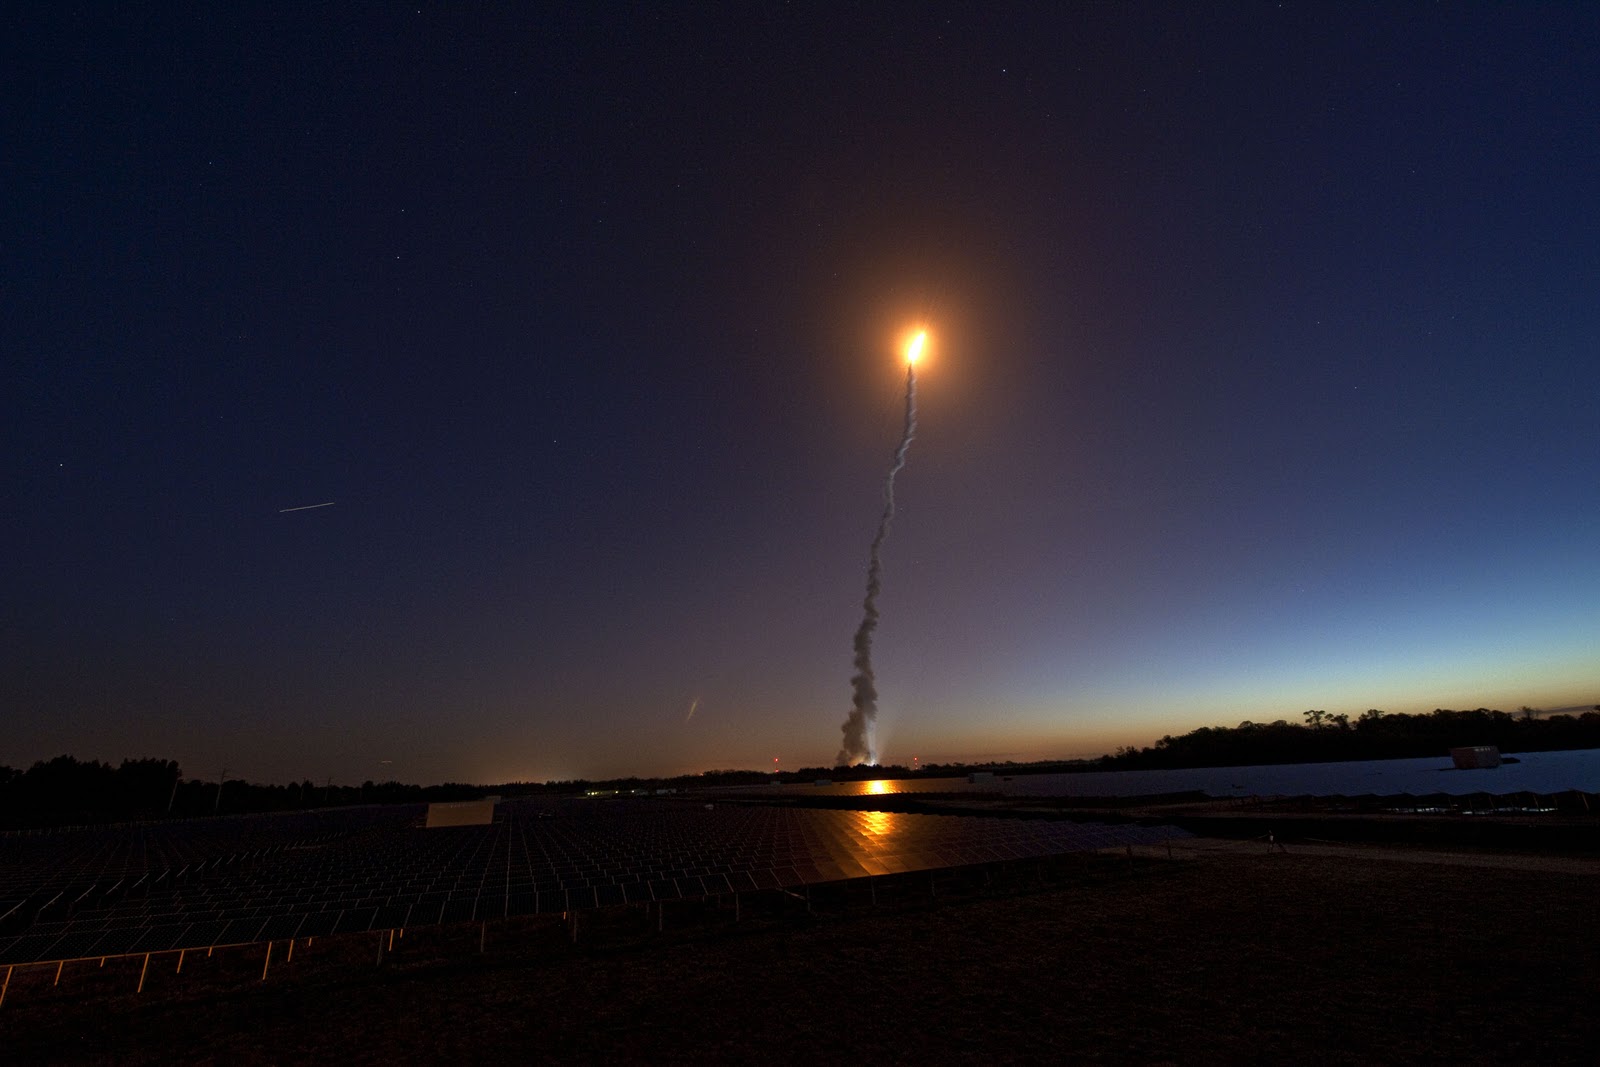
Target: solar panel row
pixel 319 877
pixel 105 856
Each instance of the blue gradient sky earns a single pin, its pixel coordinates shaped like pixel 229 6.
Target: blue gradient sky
pixel 1265 354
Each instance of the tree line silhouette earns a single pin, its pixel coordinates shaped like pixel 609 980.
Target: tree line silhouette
pixel 67 791
pixel 1374 734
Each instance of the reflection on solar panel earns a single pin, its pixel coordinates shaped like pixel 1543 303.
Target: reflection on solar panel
pixel 71 895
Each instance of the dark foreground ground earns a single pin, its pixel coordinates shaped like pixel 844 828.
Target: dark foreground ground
pixel 1227 954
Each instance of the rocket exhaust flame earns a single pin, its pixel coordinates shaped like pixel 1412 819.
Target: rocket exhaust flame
pixel 859 741
pixel 914 349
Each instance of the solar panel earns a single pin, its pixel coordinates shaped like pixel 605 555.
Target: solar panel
pixel 318 924
pixel 72 945
pixel 231 881
pixel 32 947
pixel 203 934
pixel 426 913
pixel 458 910
pixel 160 938
pixel 241 931
pixel 113 942
pixel 354 920
pixel 283 927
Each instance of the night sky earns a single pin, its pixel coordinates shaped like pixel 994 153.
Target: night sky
pixel 1263 367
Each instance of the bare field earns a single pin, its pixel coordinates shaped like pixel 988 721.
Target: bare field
pixel 1226 955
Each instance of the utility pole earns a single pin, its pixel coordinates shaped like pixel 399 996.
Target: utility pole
pixel 223 777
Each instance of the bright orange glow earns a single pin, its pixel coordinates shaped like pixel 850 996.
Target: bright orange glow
pixel 878 823
pixel 915 346
pixel 877 788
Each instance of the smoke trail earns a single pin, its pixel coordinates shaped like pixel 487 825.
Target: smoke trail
pixel 858 727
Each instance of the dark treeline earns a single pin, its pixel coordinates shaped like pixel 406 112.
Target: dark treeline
pixel 1374 734
pixel 55 791
pixel 65 791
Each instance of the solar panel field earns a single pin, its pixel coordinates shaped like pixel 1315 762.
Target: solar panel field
pixel 164 887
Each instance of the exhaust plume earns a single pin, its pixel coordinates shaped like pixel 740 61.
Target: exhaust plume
pixel 859 741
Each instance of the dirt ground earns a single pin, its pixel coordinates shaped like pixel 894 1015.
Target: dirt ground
pixel 1226 953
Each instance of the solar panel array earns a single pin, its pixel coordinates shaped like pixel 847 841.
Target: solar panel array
pixel 159 888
